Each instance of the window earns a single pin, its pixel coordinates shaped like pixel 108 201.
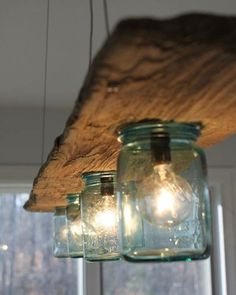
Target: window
pixel 27 266
pixel 156 278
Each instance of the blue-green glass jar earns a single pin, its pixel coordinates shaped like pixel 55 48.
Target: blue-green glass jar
pixel 60 233
pixel 74 224
pixel 163 193
pixel 100 216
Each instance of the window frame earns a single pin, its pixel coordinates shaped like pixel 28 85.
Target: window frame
pixel 223 180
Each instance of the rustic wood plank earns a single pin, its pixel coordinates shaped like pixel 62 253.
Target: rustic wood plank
pixel 180 69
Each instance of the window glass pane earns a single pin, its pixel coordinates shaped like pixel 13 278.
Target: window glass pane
pixel 27 265
pixel 178 278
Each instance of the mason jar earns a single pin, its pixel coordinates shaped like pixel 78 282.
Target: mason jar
pixel 74 224
pixel 100 216
pixel 60 233
pixel 163 193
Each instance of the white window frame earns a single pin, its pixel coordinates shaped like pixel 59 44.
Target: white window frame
pixel 17 179
pixel 223 180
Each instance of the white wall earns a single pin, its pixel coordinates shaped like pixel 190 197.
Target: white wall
pixel 21 134
pixel 223 154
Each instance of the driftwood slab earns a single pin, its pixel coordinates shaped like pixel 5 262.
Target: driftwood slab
pixel 181 69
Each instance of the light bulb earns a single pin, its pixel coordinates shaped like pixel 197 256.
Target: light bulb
pixel 76 228
pixel 105 218
pixel 164 198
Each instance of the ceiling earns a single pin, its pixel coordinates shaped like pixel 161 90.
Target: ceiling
pixel 23 37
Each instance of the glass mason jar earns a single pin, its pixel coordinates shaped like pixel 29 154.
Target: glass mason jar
pixel 60 234
pixel 100 216
pixel 163 193
pixel 74 224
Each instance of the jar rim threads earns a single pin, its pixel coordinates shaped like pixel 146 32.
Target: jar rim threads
pixel 157 128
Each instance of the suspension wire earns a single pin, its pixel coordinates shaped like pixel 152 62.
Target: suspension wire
pixel 44 105
pixel 91 33
pixel 46 61
pixel 106 16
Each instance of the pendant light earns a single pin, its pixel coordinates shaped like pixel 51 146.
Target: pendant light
pixel 100 216
pixel 163 193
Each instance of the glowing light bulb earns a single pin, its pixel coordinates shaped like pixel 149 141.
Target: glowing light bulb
pixel 105 220
pixel 164 198
pixel 105 217
pixel 76 229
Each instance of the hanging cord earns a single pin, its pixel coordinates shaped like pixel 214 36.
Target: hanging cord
pixel 45 83
pixel 106 16
pixel 91 33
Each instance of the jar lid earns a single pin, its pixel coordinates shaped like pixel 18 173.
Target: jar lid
pixel 158 128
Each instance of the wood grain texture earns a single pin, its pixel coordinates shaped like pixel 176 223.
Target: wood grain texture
pixel 179 69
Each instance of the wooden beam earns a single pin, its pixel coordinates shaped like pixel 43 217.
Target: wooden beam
pixel 179 69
